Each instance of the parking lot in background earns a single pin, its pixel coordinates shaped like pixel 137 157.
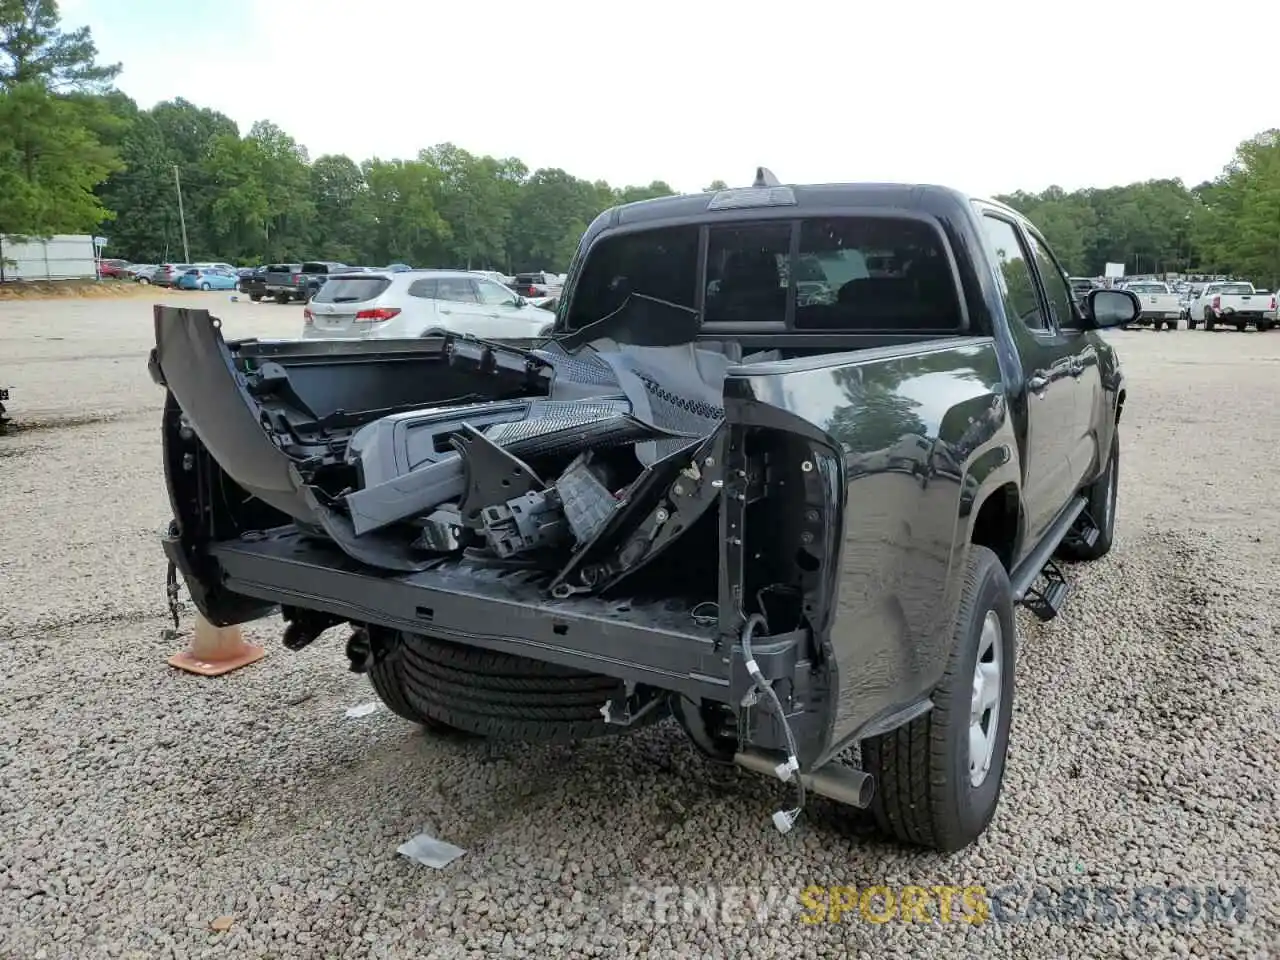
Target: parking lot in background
pixel 139 805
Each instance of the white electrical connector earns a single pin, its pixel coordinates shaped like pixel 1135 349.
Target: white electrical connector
pixel 784 820
pixel 785 770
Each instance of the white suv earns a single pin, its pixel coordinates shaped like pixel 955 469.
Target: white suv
pixel 416 303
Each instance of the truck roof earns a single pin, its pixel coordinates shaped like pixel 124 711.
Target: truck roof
pixel 798 199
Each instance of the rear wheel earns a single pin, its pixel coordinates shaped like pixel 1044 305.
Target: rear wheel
pixel 938 778
pixel 1208 321
pixel 144 281
pixel 1242 327
pixel 282 298
pixel 205 286
pixel 255 297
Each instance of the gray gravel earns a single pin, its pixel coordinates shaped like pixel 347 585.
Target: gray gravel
pixel 138 806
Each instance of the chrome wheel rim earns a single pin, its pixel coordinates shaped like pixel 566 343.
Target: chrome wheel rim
pixel 984 708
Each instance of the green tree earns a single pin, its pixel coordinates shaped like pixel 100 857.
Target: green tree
pixel 1239 223
pixel 552 212
pixel 342 228
pixel 34 50
pixel 50 161
pixel 657 188
pixel 400 205
pixel 263 206
pixel 175 133
pixel 51 120
pixel 1067 221
pixel 143 196
pixel 471 200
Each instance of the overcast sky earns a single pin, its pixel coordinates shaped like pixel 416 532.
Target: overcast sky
pixel 988 96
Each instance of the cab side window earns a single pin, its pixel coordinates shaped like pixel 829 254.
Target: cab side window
pixel 1057 289
pixel 1017 283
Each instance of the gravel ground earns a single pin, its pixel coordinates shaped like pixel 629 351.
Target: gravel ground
pixel 142 810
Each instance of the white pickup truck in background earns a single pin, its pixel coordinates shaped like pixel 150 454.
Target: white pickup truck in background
pixel 1234 302
pixel 1160 305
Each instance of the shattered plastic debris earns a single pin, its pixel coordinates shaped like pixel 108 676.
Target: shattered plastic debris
pixel 429 851
pixel 363 710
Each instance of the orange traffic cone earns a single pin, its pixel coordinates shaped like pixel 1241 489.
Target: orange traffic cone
pixel 214 651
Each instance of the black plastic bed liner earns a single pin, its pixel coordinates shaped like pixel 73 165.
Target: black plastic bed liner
pixel 500 609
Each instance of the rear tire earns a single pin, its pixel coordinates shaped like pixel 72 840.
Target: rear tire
pixel 484 693
pixel 925 772
pixel 255 297
pixel 1242 327
pixel 205 286
pixel 1208 321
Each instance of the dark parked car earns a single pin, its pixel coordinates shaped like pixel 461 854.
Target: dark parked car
pixel 795 526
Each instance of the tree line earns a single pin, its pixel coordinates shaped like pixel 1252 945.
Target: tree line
pixel 78 156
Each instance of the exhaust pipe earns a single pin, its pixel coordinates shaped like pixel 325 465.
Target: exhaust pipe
pixel 842 784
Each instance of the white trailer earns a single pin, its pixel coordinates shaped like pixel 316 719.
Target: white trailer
pixel 61 257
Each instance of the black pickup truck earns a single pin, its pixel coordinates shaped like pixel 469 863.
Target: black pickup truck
pixel 794 524
pixel 255 284
pixel 287 282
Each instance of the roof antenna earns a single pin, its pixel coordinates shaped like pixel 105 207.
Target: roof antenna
pixel 765 178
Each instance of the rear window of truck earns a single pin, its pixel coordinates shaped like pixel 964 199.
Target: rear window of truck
pixel 855 274
pixel 352 289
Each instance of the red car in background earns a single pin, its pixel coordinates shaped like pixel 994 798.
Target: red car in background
pixel 112 269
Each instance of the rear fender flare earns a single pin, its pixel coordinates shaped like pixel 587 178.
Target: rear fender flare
pixel 992 468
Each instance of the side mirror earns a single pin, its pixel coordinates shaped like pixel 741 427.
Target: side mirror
pixel 521 301
pixel 1112 308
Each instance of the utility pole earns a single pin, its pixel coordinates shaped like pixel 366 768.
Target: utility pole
pixel 186 254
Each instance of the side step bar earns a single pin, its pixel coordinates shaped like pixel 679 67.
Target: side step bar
pixel 1047 600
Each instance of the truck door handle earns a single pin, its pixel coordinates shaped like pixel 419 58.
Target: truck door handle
pixel 1037 384
pixel 1077 370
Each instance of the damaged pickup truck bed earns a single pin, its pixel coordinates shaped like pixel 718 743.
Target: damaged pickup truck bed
pixel 789 462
